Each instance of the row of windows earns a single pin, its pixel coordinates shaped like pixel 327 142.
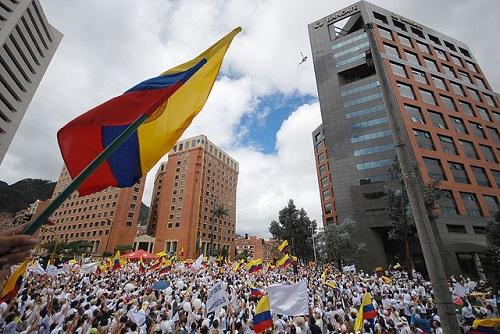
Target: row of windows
pixel 350 60
pixel 351 50
pixel 369 136
pixel 365 111
pixel 448 205
pixel 362 100
pixel 371 122
pixel 425 141
pixel 439 82
pixel 76 235
pixel 349 41
pixel 83 217
pixel 458 170
pixel 457 123
pixel 456 88
pixel 419 33
pixel 373 164
pixel 373 149
pixel 358 89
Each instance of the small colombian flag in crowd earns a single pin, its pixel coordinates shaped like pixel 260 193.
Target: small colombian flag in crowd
pixel 262 319
pixel 366 312
pixel 283 247
pixel 486 326
pixel 256 292
pixel 14 283
pixel 116 261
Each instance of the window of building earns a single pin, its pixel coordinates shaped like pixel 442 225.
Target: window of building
pixel 439 82
pixel 448 70
pixel 424 139
pixel 327 195
pixel 369 123
pixel 321 157
pixel 414 114
pixel 448 103
pixel 440 54
pixel 480 82
pixel 373 149
pixel 400 25
pixel 457 88
pixel 456 60
pixel 456 229
pixel 437 120
pixel 469 149
pixel 471 66
pixel 427 96
pixel 479 229
pixel 493 134
pixel 324 181
pixel 434 168
pixel 483 114
pixel 373 164
pixel 471 204
pixel 412 57
pixel 405 40
pixel 419 76
pixel 474 94
pixel 391 50
pixel 434 39
pixel 423 47
pixel 467 108
pixel 380 17
pixel 488 153
pixel 480 175
pixel 489 100
pixel 322 169
pixel 492 204
pixel 431 64
pixel 406 91
pixel 328 208
pixel 458 125
pixel 447 202
pixel 477 130
pixel 385 33
pixel 496 176
pixel 448 145
pixel 398 69
pixel 465 77
pixel 464 52
pixel 370 136
pixel 459 173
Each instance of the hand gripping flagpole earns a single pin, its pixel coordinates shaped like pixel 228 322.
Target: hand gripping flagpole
pixel 84 174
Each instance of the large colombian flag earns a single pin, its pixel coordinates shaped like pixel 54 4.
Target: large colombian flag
pixel 170 100
pixel 262 319
pixel 366 312
pixel 14 283
pixel 485 326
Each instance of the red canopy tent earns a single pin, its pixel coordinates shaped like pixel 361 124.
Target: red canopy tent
pixel 138 254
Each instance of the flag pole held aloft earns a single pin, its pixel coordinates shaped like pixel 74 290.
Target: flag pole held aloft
pixel 119 141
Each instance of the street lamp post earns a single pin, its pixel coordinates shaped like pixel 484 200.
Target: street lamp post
pixel 314 246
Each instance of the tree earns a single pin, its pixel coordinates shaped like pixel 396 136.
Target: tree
pixel 77 248
pixel 243 255
pixel 339 244
pixel 218 212
pixel 399 211
pixel 295 226
pixel 491 261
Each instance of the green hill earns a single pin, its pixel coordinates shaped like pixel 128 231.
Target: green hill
pixel 19 195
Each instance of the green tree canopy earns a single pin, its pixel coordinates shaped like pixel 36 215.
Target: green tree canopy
pixel 295 226
pixel 339 244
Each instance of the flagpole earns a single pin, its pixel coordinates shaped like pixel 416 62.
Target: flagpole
pixel 84 174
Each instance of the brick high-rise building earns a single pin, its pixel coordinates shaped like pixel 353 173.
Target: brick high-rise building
pixel 448 114
pixel 28 43
pixel 107 218
pixel 197 176
pixel 258 248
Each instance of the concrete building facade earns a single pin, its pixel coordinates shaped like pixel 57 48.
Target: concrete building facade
pixel 107 219
pixel 196 177
pixel 448 114
pixel 28 43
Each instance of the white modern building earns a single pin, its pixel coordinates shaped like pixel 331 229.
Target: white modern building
pixel 27 44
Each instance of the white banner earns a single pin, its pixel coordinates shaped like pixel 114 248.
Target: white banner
pixel 349 269
pixel 52 270
pixel 217 297
pixel 197 263
pixel 88 268
pixel 290 300
pixel 459 290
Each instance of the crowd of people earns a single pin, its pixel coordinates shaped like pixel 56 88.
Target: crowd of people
pixel 127 300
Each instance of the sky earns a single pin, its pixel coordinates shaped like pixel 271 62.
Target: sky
pixel 262 108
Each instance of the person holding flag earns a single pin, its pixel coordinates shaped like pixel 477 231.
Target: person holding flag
pixel 262 319
pixel 116 261
pixel 366 312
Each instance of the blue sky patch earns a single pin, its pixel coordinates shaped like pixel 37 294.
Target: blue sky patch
pixel 259 127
